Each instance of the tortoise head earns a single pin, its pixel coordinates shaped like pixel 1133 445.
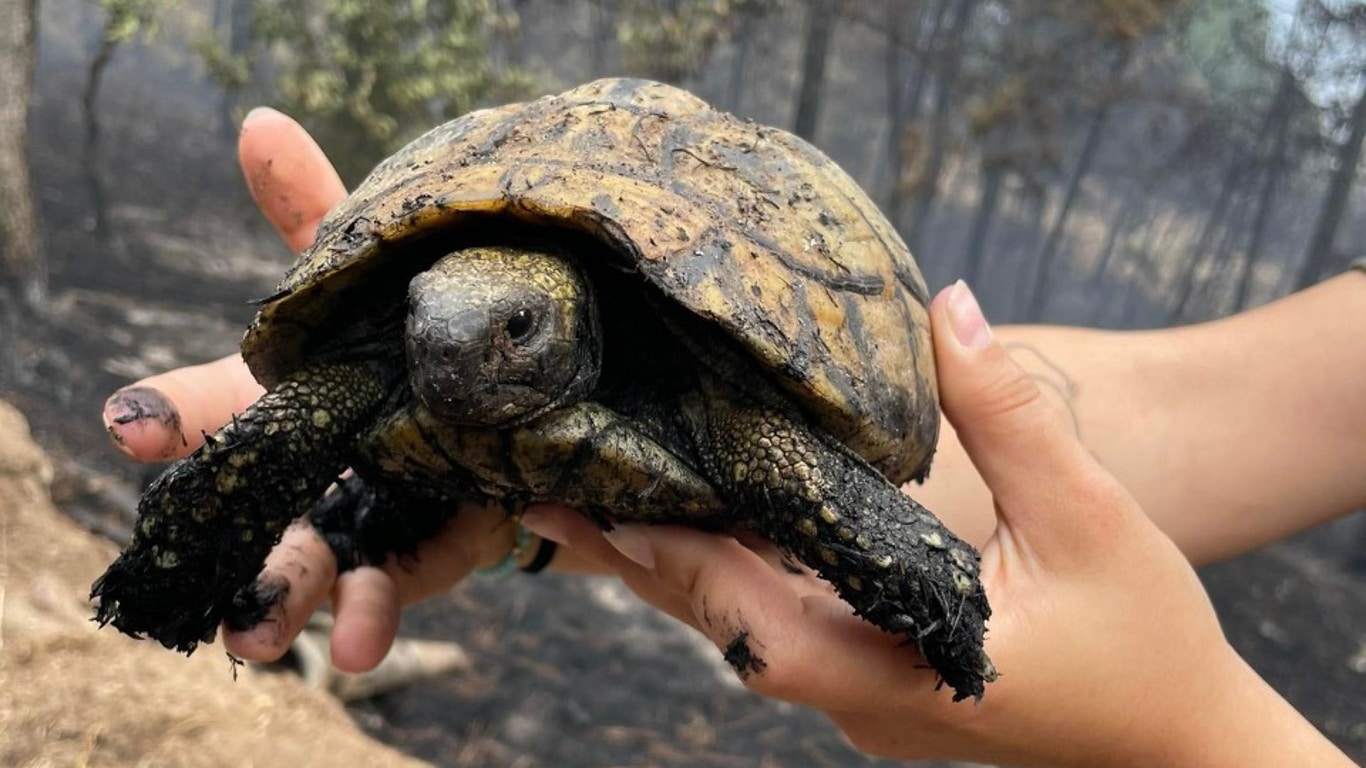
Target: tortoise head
pixel 499 335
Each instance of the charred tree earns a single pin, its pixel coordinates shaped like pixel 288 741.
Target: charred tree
pixel 1039 292
pixel 603 23
pixel 1320 258
pixel 821 16
pixel 1234 177
pixel 947 56
pixel 232 28
pixel 747 25
pixel 1275 169
pixel 1120 224
pixel 22 271
pixel 90 152
pixel 979 231
pixel 905 81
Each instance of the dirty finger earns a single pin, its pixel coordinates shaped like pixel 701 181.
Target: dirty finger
pixel 303 570
pixel 289 176
pixel 164 417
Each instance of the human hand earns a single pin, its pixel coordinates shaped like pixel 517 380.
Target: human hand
pixel 166 416
pixel 1108 649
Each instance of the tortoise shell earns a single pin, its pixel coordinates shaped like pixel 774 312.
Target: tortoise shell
pixel 745 226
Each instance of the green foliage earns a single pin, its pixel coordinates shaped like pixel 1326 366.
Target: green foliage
pixel 232 72
pixel 672 41
pixel 126 19
pixel 1225 42
pixel 364 76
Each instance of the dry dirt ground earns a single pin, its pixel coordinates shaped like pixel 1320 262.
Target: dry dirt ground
pixel 72 697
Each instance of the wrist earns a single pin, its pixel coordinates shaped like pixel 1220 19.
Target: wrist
pixel 1241 721
pixel 1225 716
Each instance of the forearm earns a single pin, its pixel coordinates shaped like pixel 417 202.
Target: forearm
pixel 1227 717
pixel 1265 423
pixel 1244 723
pixel 1230 434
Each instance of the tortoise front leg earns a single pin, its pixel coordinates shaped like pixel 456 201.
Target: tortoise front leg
pixel 364 522
pixel 205 526
pixel 885 554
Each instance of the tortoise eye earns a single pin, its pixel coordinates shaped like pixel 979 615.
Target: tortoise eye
pixel 520 324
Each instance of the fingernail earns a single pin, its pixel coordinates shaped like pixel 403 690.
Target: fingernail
pixel 633 545
pixel 969 325
pixel 141 408
pixel 256 113
pixel 545 525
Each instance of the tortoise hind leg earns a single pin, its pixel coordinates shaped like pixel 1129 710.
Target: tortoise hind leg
pixel 886 555
pixel 364 523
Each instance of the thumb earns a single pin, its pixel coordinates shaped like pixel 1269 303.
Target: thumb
pixel 1024 446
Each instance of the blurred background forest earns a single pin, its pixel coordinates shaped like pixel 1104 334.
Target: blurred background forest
pixel 1193 158
pixel 1120 163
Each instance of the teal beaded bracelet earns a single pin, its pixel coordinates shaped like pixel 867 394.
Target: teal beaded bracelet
pixel 508 564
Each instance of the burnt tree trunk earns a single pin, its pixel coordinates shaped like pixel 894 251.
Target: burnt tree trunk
pixel 746 29
pixel 1319 258
pixel 1119 226
pixel 947 55
pixel 820 27
pixel 22 271
pixel 980 229
pixel 232 28
pixel 90 96
pixel 1266 197
pixel 1038 294
pixel 896 111
pixel 602 19
pixel 1189 273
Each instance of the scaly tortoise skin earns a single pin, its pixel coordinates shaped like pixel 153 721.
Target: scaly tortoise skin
pixel 616 298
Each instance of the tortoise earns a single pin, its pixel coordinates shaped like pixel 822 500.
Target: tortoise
pixel 616 298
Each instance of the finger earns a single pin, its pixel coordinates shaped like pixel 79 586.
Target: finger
pixel 367 608
pixel 809 648
pixel 475 537
pixel 304 562
pixel 367 602
pixel 1025 447
pixel 586 548
pixel 784 640
pixel 292 181
pixel 581 542
pixel 164 417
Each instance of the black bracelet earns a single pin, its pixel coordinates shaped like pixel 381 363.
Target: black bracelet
pixel 1359 264
pixel 544 554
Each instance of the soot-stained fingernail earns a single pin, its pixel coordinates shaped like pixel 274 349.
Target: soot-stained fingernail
pixel 132 404
pixel 140 408
pixel 254 604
